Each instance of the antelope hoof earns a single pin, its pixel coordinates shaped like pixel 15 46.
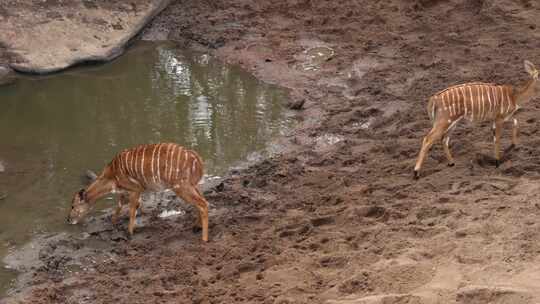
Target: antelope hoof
pixel 416 175
pixel 497 163
pixel 451 164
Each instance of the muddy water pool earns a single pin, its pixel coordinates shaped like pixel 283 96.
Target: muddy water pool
pixel 53 128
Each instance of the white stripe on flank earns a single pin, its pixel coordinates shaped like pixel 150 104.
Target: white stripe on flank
pixel 125 161
pixel 139 155
pixel 455 97
pixel 475 104
pixel 120 161
pixel 189 160
pixel 159 165
pixel 171 158
pixel 471 100
pixel 126 164
pixel 488 89
pixel 509 101
pixel 173 149
pixel 185 159
pixel 501 98
pixel 167 162
pixel 482 101
pixel 166 154
pixel 177 167
pixel 443 102
pixel 143 175
pixel 155 172
pixel 175 158
pixel 447 98
pixel 497 100
pixel 464 100
pixel 452 105
pixel 507 97
pixel 134 162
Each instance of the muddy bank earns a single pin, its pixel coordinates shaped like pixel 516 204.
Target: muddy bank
pixel 336 217
pixel 47 36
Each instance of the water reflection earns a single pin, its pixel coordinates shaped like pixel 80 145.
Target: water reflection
pixel 53 129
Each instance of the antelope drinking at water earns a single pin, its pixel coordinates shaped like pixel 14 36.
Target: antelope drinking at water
pixel 476 102
pixel 152 167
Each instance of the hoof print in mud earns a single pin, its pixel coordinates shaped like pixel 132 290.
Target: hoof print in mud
pixel 295 230
pixel 321 221
pixel 220 187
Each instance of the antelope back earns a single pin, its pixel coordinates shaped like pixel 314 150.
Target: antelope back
pixel 156 165
pixel 476 101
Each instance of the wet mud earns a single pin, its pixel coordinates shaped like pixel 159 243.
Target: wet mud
pixel 336 216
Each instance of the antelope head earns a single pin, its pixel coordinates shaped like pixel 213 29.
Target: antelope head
pixel 83 200
pixel 531 69
pixel 79 207
pixel 531 89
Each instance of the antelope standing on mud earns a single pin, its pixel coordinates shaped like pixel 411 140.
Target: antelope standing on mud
pixel 476 102
pixel 154 167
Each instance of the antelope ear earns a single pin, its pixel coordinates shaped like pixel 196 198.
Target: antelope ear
pixel 530 68
pixel 82 195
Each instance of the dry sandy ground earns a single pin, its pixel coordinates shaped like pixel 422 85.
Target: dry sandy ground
pixel 337 218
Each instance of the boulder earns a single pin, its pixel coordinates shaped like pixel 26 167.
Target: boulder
pixel 48 36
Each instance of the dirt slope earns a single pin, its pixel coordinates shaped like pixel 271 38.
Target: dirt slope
pixel 337 218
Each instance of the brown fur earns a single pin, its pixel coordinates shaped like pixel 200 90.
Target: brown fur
pixel 152 167
pixel 477 102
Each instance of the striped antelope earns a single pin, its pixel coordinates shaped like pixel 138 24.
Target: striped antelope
pixel 476 102
pixel 153 167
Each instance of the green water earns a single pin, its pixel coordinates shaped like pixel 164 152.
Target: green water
pixel 54 128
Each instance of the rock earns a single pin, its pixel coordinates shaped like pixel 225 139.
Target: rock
pixel 296 104
pixel 492 294
pixel 40 42
pixel 2 167
pixel 379 299
pixel 88 177
pixel 7 76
